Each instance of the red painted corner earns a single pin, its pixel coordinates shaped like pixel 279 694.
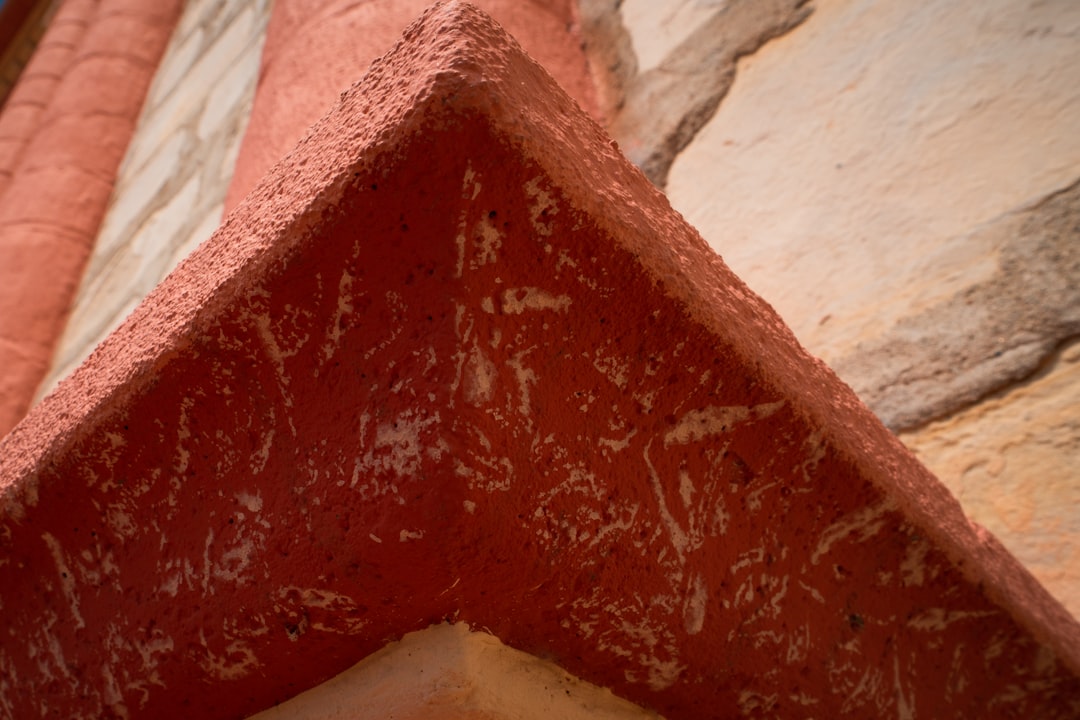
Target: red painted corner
pixel 455 359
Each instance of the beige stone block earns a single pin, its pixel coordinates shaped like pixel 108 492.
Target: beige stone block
pixel 120 281
pixel 1013 462
pixel 657 28
pixel 134 197
pixel 177 60
pixel 447 672
pixel 216 56
pixel 220 55
pixel 232 92
pixel 873 136
pixel 210 222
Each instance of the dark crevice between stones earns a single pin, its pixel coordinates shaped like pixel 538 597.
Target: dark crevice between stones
pixel 991 336
pixel 689 83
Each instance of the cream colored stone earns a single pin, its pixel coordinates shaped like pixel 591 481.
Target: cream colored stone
pixel 178 61
pixel 213 57
pixel 129 275
pixel 876 136
pixel 202 232
pixel 657 28
pixel 231 91
pixel 1014 464
pixel 173 180
pixel 134 194
pixel 449 673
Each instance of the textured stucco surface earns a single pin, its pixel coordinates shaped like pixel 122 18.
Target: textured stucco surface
pixel 317 49
pixel 448 672
pixel 424 372
pixel 171 187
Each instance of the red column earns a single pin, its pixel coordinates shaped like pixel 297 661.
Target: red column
pixel 62 136
pixel 316 49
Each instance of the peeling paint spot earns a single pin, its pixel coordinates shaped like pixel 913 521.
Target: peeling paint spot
pixel 937 619
pixel 864 523
pixel 478 382
pixel 253 502
pixel 67 579
pixel 715 420
pixel 913 568
pixel 344 307
pixel 517 300
pixel 694 611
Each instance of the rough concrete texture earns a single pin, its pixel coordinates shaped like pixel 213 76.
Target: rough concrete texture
pixel 315 50
pixel 1012 461
pixel 447 672
pixel 656 111
pixel 439 365
pixel 171 187
pixel 61 157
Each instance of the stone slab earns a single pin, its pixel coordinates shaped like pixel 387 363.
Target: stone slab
pixel 1012 462
pixel 449 672
pixel 455 359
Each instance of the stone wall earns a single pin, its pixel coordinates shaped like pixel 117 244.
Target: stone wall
pixel 900 181
pixel 171 187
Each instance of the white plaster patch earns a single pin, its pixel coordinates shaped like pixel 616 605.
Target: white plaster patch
pixel 678 536
pixel 686 489
pixel 618 445
pixel 398 448
pixel 863 523
pixel 252 502
pixel 121 522
pixel 67 579
pixel 490 242
pixel 479 378
pixel 238 660
pixel 913 569
pixel 113 697
pixel 716 420
pixel 183 434
pixel 518 300
pixel 342 608
pixel 235 561
pixel 617 370
pixel 525 377
pixel 542 205
pixel 694 610
pixel 344 307
pixel 937 619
